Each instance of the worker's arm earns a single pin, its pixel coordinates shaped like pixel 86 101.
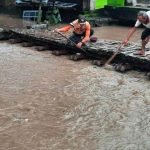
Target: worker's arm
pixel 64 29
pixel 131 32
pixel 87 34
pixel 86 38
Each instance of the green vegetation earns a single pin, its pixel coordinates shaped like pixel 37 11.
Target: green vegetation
pixel 102 3
pixel 53 16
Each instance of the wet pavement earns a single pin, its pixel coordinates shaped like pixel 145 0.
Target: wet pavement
pixel 53 103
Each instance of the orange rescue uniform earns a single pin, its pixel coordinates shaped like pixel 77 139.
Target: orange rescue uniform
pixel 79 29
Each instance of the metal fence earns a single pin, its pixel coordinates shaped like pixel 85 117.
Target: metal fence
pixel 30 17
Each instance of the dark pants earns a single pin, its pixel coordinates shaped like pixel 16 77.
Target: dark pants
pixel 76 38
pixel 145 34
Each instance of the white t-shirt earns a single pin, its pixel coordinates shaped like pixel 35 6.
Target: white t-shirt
pixel 138 23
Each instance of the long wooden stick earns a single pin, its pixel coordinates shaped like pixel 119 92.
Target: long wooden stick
pixel 65 37
pixel 114 55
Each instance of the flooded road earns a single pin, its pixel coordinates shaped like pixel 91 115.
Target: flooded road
pixel 52 103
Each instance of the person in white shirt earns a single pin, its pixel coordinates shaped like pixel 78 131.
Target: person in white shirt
pixel 144 19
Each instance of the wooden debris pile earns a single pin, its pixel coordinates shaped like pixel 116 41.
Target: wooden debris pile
pixel 99 50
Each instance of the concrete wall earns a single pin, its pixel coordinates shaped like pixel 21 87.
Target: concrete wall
pixel 134 2
pixel 89 4
pixel 86 4
pixel 92 4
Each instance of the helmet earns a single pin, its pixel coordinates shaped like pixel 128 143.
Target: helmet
pixel 81 19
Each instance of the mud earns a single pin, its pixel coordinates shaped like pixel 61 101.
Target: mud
pixel 53 103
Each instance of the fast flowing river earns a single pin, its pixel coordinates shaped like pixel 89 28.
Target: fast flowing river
pixel 53 103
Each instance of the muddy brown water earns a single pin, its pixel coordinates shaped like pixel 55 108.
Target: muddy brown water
pixel 53 103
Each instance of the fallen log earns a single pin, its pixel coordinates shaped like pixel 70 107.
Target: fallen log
pixel 98 50
pixel 41 48
pixel 122 67
pixel 4 35
pixel 99 62
pixel 59 52
pixel 27 44
pixel 15 41
pixel 77 56
pixel 148 75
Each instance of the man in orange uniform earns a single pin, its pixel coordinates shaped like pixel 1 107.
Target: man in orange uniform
pixel 81 31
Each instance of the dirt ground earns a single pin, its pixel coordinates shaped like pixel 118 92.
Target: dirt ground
pixel 53 103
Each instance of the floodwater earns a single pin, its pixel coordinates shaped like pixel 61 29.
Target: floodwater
pixel 53 103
